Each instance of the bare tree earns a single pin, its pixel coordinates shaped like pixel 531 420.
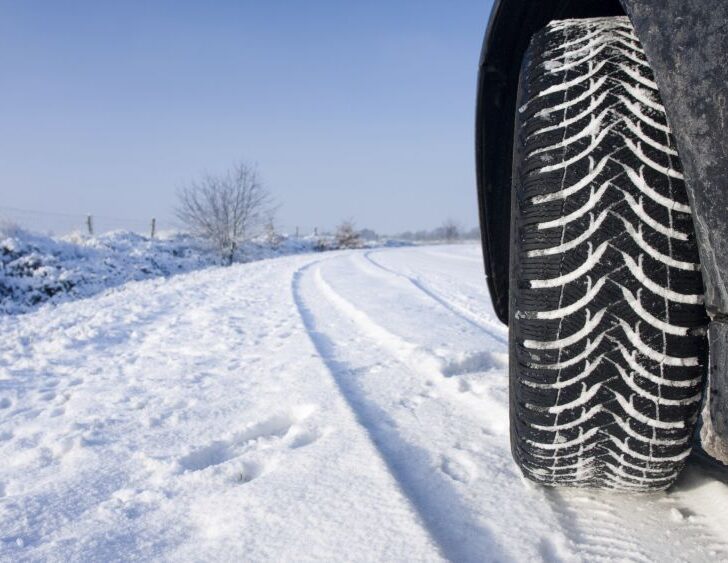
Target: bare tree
pixel 226 209
pixel 346 235
pixel 450 230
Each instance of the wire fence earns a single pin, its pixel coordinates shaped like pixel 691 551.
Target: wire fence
pixel 58 224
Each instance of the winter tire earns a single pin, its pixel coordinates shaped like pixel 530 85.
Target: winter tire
pixel 607 323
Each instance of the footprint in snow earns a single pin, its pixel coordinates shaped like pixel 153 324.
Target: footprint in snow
pixel 471 363
pixel 411 403
pixel 251 470
pixel 459 467
pixel 305 438
pixel 280 430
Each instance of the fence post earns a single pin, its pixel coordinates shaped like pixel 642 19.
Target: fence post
pixel 296 232
pixel 90 224
pixel 315 231
pixel 154 227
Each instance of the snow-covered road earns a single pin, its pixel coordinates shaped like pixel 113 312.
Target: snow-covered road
pixel 343 406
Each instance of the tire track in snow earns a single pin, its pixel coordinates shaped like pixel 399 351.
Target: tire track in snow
pixel 641 528
pixel 458 534
pixel 439 370
pixel 469 524
pixel 456 310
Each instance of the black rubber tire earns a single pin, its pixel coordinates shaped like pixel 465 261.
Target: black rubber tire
pixel 607 323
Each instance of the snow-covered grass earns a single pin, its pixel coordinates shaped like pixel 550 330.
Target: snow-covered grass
pixel 347 406
pixel 37 269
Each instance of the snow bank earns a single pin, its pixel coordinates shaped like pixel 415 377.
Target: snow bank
pixel 37 269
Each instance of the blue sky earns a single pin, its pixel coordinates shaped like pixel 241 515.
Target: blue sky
pixel 350 109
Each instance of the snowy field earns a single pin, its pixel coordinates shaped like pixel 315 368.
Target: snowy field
pixel 344 406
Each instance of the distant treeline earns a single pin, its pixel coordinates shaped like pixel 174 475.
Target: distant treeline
pixel 448 231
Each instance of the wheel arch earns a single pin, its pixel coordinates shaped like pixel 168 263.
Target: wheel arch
pixel 673 34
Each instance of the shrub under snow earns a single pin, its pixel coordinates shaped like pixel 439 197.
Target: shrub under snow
pixel 37 269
